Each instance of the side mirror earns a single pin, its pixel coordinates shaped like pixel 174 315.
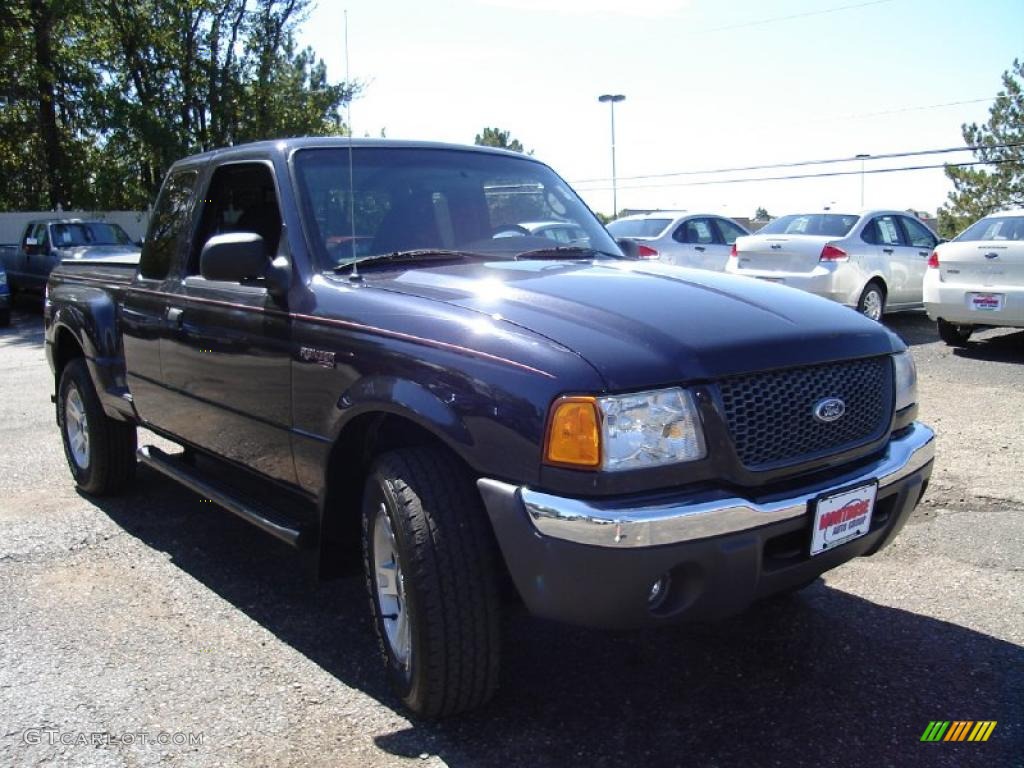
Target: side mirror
pixel 31 245
pixel 240 257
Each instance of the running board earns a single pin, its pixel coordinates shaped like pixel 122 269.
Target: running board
pixel 265 519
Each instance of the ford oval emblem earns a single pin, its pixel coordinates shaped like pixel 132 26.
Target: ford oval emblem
pixel 830 409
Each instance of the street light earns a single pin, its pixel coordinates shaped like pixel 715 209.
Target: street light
pixel 612 99
pixel 862 158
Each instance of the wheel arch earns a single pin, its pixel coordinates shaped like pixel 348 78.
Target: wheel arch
pixel 366 435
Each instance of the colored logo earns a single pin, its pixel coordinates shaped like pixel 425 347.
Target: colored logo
pixel 851 510
pixel 830 409
pixel 958 730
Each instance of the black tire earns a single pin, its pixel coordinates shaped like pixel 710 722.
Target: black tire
pixel 872 301
pixel 447 557
pixel 5 318
pixel 954 335
pixel 107 461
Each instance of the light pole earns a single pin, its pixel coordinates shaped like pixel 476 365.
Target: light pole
pixel 862 158
pixel 612 99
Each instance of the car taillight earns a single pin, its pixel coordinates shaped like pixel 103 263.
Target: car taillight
pixel 832 253
pixel 732 252
pixel 646 252
pixel 933 260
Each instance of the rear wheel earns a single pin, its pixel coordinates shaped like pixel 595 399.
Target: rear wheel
pixel 872 301
pixel 954 335
pixel 100 450
pixel 430 571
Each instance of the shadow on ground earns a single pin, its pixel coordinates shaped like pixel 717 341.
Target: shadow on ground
pixel 26 328
pixel 913 327
pixel 822 678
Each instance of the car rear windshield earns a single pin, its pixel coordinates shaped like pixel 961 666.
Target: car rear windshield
pixel 995 228
pixel 638 227
pixel 827 224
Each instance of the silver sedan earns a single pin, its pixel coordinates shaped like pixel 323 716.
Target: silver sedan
pixel 699 240
pixel 874 261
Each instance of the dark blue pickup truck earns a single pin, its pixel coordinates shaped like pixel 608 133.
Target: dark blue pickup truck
pixel 363 351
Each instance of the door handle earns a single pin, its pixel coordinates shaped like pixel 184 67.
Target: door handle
pixel 174 315
pixel 887 250
pixel 923 253
pixel 700 248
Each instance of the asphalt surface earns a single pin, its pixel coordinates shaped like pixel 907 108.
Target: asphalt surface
pixel 154 629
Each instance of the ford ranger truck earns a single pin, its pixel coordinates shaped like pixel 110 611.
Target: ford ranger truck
pixel 363 350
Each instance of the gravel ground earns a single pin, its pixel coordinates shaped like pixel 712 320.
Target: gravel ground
pixel 156 618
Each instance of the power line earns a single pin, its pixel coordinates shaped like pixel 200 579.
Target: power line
pixel 907 109
pixel 801 163
pixel 806 175
pixel 775 19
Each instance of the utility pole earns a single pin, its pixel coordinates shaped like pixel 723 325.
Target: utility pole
pixel 612 100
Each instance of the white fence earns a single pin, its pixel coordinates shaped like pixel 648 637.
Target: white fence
pixel 12 225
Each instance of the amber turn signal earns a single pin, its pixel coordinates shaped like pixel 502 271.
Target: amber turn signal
pixel 574 433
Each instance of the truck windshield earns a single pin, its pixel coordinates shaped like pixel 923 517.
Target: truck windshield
pixel 411 199
pixel 827 224
pixel 88 233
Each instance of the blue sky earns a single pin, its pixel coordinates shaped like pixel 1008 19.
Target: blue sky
pixel 707 84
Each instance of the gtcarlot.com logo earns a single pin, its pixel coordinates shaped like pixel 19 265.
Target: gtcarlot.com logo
pixel 958 730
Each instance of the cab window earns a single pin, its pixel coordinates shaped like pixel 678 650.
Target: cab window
pixel 169 222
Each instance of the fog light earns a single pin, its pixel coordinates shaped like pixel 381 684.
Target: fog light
pixel 658 590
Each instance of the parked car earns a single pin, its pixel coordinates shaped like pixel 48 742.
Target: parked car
pixel 874 261
pixel 701 240
pixel 559 231
pixel 620 443
pixel 46 242
pixel 5 298
pixel 977 279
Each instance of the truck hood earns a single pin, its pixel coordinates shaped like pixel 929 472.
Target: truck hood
pixel 118 252
pixel 645 324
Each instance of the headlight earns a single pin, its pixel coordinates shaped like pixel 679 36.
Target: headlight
pixel 645 429
pixel 906 380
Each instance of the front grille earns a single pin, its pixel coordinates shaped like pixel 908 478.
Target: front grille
pixel 771 415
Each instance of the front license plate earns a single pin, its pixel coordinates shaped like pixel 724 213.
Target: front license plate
pixel 985 302
pixel 842 517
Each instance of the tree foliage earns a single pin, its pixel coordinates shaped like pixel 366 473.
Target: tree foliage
pixel 495 137
pixel 99 97
pixel 761 214
pixel 979 190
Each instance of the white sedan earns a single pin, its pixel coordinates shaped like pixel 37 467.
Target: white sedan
pixel 977 279
pixel 874 260
pixel 700 240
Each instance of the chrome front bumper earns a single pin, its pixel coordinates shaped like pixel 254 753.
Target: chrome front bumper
pixel 674 519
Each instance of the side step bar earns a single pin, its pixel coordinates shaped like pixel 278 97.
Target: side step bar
pixel 264 519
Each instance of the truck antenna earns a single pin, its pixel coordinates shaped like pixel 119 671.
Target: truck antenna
pixel 354 274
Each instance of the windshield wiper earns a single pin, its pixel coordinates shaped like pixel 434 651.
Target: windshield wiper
pixel 564 252
pixel 419 254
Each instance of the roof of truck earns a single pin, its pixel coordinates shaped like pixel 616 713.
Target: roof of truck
pixel 287 146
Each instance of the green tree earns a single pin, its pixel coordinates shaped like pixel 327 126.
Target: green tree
pixel 979 190
pixel 761 214
pixel 495 137
pixel 99 97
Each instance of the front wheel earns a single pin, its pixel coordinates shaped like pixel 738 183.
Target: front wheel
pixel 100 450
pixel 953 334
pixel 430 566
pixel 872 302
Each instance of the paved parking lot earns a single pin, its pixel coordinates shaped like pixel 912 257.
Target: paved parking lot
pixel 155 618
